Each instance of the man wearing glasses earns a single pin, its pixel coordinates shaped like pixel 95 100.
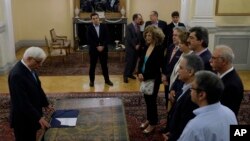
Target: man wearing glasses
pixel 222 63
pixel 212 121
pixel 27 96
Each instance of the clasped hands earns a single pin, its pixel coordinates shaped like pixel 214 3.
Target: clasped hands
pixel 140 77
pixel 164 79
pixel 42 121
pixel 100 48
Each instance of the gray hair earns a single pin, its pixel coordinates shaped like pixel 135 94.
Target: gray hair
pixel 180 29
pixel 34 52
pixel 211 84
pixel 194 62
pixel 226 53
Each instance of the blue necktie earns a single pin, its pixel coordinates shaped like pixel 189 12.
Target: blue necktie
pixel 34 75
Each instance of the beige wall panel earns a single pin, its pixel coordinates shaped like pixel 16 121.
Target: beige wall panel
pixel 34 18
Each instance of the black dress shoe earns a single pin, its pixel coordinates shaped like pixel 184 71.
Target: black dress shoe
pixel 132 77
pixel 125 79
pixel 91 84
pixel 109 83
pixel 149 129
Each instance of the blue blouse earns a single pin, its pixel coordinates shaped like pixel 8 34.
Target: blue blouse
pixel 144 63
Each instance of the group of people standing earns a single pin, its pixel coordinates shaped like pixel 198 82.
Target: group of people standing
pixel 203 90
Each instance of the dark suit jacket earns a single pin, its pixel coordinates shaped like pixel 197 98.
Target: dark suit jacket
pixel 169 65
pixel 93 39
pixel 179 115
pixel 170 32
pixel 153 65
pixel 27 97
pixel 132 38
pixel 233 91
pixel 163 25
pixel 206 56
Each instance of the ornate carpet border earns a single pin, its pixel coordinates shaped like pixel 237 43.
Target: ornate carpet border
pixel 89 94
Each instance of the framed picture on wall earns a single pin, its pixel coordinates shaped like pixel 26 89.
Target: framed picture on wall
pixel 232 8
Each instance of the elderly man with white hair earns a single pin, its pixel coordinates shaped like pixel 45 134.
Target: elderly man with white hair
pixel 222 62
pixel 27 96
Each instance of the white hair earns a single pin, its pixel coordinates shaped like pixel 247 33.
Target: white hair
pixel 34 52
pixel 226 52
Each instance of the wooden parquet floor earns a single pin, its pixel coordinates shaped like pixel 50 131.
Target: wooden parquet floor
pixel 55 84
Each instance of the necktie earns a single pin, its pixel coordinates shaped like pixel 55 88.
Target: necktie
pixel 34 75
pixel 173 53
pixel 137 28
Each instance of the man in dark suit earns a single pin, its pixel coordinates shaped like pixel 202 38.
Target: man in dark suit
pixel 159 23
pixel 172 56
pixel 133 41
pixel 97 38
pixel 182 109
pixel 27 96
pixel 222 63
pixel 198 39
pixel 175 23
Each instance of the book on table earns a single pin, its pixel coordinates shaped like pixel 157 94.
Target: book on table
pixel 64 118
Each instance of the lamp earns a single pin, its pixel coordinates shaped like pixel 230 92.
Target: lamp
pixel 116 44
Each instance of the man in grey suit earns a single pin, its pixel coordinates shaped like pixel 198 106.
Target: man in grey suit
pixel 133 46
pixel 27 96
pixel 222 62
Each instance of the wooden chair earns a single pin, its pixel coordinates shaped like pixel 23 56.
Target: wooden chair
pixel 60 40
pixel 55 50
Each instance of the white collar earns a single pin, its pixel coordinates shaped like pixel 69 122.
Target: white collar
pixel 229 70
pixel 199 53
pixel 25 65
pixel 185 87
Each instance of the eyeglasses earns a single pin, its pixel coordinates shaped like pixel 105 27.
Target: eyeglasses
pixel 197 89
pixel 37 61
pixel 215 58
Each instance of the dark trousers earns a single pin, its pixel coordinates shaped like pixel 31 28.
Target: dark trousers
pixel 24 133
pixel 103 58
pixel 166 91
pixel 131 61
pixel 151 105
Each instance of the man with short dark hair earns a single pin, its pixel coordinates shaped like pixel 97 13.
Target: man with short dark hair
pixel 133 41
pixel 212 121
pixel 222 63
pixel 175 23
pixel 97 37
pixel 198 39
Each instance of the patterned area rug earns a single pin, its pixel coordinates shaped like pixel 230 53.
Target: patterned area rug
pixel 134 109
pixel 77 63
